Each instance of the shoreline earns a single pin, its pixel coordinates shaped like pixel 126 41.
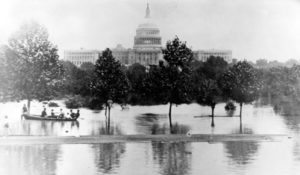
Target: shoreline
pixel 209 138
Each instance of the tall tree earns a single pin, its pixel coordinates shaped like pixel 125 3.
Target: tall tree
pixel 36 71
pixel 241 83
pixel 206 83
pixel 136 75
pixel 5 54
pixel 110 84
pixel 176 74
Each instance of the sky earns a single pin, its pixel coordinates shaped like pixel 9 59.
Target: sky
pixel 252 29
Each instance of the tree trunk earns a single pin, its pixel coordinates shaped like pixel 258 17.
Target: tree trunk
pixel 212 115
pixel 241 106
pixel 105 112
pixel 241 124
pixel 108 122
pixel 170 118
pixel 28 106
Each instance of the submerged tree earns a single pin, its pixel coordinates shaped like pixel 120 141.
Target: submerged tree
pixel 110 84
pixel 136 75
pixel 175 76
pixel 207 90
pixel 241 83
pixel 36 72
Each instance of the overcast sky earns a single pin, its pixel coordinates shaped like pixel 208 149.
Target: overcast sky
pixel 252 29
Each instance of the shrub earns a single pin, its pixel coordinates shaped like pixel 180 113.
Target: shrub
pixel 230 106
pixel 53 104
pixel 73 102
pixel 78 101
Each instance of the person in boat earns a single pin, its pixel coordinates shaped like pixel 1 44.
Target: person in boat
pixel 72 114
pixel 77 114
pixel 24 109
pixel 52 113
pixel 61 115
pixel 44 113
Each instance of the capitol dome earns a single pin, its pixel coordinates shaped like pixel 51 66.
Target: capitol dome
pixel 148 26
pixel 147 33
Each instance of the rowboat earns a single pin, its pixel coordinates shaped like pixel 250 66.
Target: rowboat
pixel 48 118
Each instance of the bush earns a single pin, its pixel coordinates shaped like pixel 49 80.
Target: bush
pixel 93 103
pixel 74 102
pixel 53 104
pixel 78 101
pixel 230 106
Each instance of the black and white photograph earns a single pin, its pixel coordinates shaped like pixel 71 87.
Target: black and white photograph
pixel 149 87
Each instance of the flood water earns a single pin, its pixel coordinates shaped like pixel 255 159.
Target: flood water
pixel 282 157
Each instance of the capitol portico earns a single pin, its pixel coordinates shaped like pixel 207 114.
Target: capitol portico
pixel 147 48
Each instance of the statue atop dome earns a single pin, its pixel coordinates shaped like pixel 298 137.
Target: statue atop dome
pixel 147 11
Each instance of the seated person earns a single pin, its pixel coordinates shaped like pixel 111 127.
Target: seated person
pixel 24 109
pixel 44 113
pixel 61 115
pixel 52 113
pixel 72 114
pixel 77 114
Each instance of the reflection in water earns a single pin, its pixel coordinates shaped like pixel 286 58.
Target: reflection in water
pixel 31 159
pixel 241 152
pixel 151 124
pixel 173 158
pixel 230 113
pixel 108 155
pixel 105 130
pixel 46 128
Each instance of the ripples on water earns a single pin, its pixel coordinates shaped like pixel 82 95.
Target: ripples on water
pixel 155 157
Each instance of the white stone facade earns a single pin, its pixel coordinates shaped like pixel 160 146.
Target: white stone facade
pixel 202 55
pixel 78 57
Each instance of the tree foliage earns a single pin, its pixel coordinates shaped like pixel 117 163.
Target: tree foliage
pixel 36 69
pixel 207 90
pixel 175 76
pixel 76 81
pixel 110 82
pixel 241 83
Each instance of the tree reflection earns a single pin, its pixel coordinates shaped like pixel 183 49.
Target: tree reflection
pixel 151 124
pixel 31 160
pixel 111 130
pixel 108 155
pixel 45 128
pixel 241 152
pixel 173 158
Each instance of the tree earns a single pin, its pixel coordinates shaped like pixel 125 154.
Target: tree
pixel 136 75
pixel 6 57
pixel 175 76
pixel 76 81
pixel 206 79
pixel 110 84
pixel 87 66
pixel 36 69
pixel 241 83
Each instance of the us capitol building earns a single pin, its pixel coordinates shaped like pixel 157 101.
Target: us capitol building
pixel 147 48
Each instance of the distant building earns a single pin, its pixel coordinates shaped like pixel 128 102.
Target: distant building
pixel 202 55
pixel 147 45
pixel 78 57
pixel 147 48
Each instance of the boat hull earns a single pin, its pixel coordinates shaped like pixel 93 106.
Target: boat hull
pixel 37 117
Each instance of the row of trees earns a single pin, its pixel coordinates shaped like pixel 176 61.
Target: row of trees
pixel 30 69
